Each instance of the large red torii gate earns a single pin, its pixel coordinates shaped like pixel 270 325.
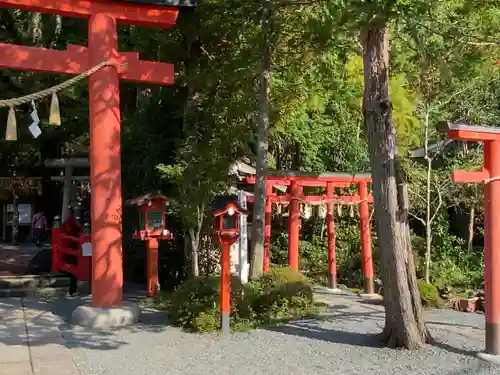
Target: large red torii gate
pixel 489 175
pixel 104 102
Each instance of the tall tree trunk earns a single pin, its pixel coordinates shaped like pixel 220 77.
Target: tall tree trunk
pixel 258 220
pixel 190 117
pixel 404 326
pixel 428 220
pixel 470 236
pixel 428 249
pixel 195 246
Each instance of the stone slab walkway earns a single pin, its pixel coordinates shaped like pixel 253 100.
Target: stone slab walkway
pixel 30 340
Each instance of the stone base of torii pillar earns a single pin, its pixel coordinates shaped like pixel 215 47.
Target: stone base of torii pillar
pixel 113 317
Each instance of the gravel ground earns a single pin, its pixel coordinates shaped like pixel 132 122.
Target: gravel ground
pixel 339 343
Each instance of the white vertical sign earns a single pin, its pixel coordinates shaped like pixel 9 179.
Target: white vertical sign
pixel 244 266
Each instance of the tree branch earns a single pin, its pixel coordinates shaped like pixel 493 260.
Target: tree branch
pixel 418 218
pixel 440 199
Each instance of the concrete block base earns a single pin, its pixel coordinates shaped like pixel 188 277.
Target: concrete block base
pixel 490 358
pixel 96 317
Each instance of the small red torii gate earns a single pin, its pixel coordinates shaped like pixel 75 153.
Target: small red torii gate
pixel 104 102
pixel 296 182
pixel 489 175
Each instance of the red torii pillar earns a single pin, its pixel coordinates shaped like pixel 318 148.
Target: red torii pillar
pixel 330 233
pixel 366 238
pixel 294 225
pixel 267 228
pixel 490 176
pixel 104 102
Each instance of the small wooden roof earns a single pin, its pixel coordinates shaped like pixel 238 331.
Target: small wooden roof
pixel 145 199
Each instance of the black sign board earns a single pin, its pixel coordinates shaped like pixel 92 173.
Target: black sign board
pixel 170 3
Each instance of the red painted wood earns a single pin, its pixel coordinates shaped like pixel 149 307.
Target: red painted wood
pixel 460 177
pixel 330 232
pixel 42 59
pixel 492 247
pixel 366 238
pixel 267 234
pixel 225 280
pixel 152 267
pixel 75 60
pixel 294 227
pixel 465 135
pixel 129 13
pixel 105 161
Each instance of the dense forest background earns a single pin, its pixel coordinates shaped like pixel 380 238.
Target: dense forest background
pixel 182 139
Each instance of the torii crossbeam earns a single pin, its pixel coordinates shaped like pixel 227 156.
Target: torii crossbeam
pixel 104 102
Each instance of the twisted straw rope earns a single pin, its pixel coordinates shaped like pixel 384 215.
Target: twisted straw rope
pixel 488 180
pixel 334 201
pixel 11 103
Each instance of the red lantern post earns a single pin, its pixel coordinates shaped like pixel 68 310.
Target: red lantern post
pixel 152 229
pixel 226 231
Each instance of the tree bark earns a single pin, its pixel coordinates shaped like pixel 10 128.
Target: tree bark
pixel 195 245
pixel 428 219
pixel 258 219
pixel 190 119
pixel 404 326
pixel 470 237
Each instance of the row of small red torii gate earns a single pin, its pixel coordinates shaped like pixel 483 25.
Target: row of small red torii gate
pixel 295 196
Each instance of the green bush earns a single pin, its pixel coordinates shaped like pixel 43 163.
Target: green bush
pixel 195 304
pixel 281 293
pixel 429 294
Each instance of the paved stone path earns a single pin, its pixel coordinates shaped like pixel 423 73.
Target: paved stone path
pixel 30 340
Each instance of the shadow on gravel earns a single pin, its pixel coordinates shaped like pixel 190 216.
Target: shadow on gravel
pixel 453 349
pixel 454 325
pixel 312 331
pixel 345 316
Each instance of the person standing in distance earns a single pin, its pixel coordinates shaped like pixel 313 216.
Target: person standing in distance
pixel 39 224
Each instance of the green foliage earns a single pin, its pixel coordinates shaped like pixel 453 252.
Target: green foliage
pixel 284 294
pixel 182 139
pixel 279 295
pixel 429 295
pixel 314 248
pixel 195 304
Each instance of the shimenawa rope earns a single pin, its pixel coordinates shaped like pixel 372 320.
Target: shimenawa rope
pixel 52 90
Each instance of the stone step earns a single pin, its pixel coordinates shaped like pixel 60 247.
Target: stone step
pixel 35 292
pixel 34 281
